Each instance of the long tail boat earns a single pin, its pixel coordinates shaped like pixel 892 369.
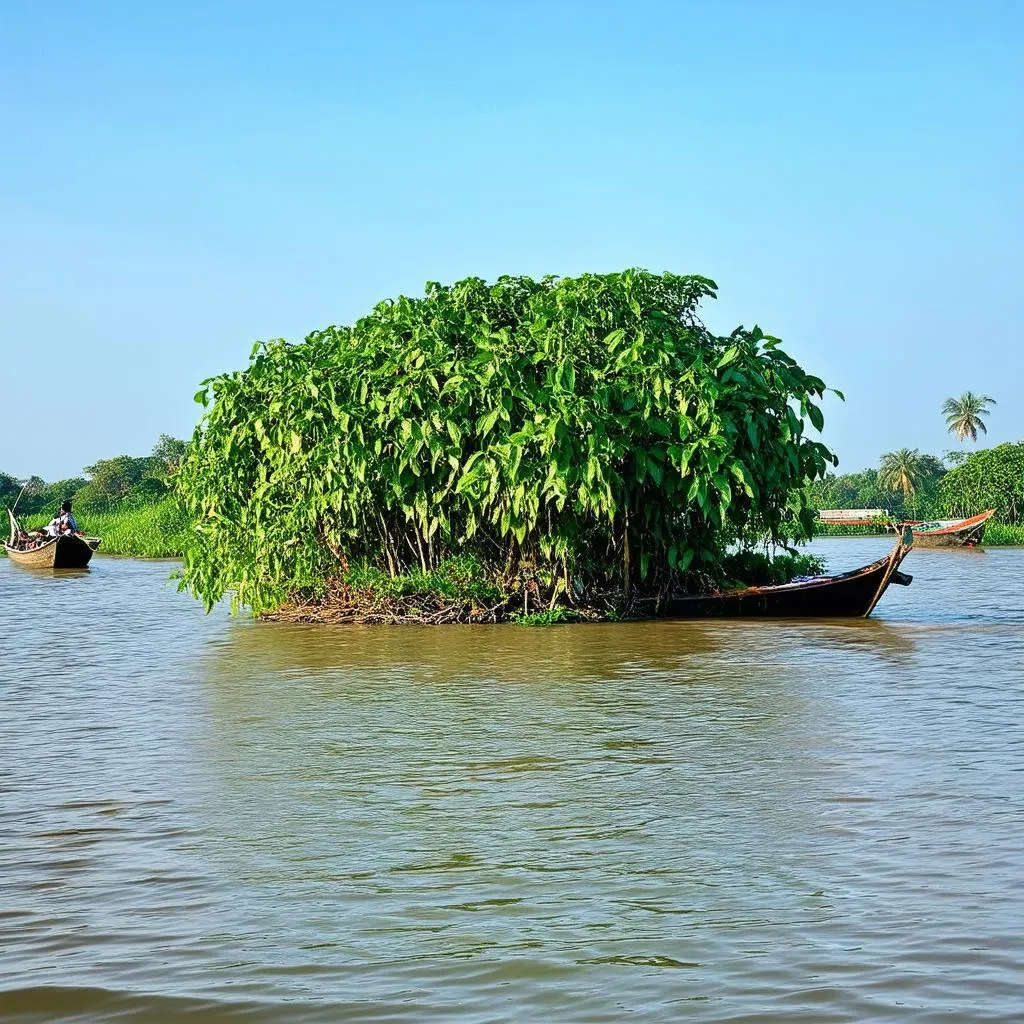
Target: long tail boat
pixel 938 533
pixel 65 552
pixel 850 594
pixel 952 533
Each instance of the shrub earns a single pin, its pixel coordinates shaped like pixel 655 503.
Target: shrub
pixel 991 478
pixel 589 433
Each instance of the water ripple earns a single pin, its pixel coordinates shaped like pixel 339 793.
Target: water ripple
pixel 205 819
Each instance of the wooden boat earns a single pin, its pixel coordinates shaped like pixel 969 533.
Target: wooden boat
pixel 850 594
pixel 952 533
pixel 65 552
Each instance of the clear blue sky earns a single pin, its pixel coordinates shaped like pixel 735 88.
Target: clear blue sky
pixel 179 180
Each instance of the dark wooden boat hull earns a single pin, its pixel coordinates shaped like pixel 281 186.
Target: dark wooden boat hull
pixel 852 594
pixel 60 553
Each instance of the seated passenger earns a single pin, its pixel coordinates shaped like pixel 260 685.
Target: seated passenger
pixel 63 523
pixel 67 520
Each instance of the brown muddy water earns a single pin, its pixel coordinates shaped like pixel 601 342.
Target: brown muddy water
pixel 206 819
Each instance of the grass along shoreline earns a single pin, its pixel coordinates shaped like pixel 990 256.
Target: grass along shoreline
pixel 464 590
pixel 159 530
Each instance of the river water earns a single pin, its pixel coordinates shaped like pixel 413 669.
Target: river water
pixel 209 819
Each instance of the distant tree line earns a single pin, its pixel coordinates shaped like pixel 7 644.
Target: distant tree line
pixel 912 485
pixel 124 481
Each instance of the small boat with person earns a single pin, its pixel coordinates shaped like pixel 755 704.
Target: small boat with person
pixel 849 594
pixel 41 550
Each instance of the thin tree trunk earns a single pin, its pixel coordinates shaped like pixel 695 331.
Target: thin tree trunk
pixel 625 555
pixel 419 544
pixel 386 538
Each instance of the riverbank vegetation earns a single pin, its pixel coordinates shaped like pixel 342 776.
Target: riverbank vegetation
pixel 583 443
pixel 1001 535
pixel 909 485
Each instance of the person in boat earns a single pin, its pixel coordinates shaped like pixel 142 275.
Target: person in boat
pixel 67 520
pixel 63 522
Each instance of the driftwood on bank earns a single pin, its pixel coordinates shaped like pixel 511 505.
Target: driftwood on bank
pixel 343 604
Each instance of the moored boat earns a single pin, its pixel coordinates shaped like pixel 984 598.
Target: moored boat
pixel 952 533
pixel 849 594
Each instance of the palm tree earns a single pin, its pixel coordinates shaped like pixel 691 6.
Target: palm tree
pixel 964 414
pixel 903 470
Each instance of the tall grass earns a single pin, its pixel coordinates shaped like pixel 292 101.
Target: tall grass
pixel 999 534
pixel 147 531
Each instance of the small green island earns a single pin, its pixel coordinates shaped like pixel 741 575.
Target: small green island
pixel 541 450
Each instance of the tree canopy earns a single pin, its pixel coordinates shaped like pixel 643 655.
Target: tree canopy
pixel 112 483
pixel 991 478
pixel 907 470
pixel 589 432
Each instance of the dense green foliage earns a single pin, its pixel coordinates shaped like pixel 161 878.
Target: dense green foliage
pixel 911 485
pixel 906 484
pixel 906 469
pixel 999 534
pixel 754 568
pixel 454 578
pixel 991 478
pixel 574 436
pixel 36 495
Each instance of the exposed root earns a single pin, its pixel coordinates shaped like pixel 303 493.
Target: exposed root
pixel 342 604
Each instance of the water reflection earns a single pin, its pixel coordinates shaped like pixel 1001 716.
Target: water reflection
pixel 519 654
pixel 41 573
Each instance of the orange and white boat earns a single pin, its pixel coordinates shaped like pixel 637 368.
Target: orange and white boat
pixel 934 533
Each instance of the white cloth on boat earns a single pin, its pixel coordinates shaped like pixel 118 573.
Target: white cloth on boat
pixel 63 523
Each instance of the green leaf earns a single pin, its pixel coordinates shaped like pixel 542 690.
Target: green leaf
pixel 486 422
